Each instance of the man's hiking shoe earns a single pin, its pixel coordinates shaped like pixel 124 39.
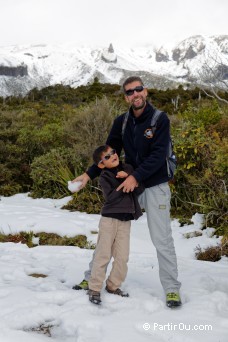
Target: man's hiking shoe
pixel 94 297
pixel 173 300
pixel 117 292
pixel 84 285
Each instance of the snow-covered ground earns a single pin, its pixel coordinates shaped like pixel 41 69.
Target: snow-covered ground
pixel 26 303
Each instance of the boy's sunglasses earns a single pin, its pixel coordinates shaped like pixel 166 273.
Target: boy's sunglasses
pixel 130 92
pixel 107 156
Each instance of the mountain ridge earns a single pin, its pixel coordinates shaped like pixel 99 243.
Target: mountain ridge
pixel 24 67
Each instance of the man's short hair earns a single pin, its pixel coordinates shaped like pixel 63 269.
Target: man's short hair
pixel 132 79
pixel 98 152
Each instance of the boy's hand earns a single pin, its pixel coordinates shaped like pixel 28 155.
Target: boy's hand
pixel 84 178
pixel 122 174
pixel 128 185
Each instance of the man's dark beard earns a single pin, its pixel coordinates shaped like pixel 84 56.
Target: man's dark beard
pixel 139 107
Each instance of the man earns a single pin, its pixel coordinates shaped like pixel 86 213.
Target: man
pixel 147 153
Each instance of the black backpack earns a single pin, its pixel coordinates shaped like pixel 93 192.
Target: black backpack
pixel 171 158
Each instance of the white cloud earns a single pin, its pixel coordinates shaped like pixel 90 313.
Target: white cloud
pixel 127 22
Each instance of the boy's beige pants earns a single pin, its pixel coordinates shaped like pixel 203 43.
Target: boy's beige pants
pixel 113 241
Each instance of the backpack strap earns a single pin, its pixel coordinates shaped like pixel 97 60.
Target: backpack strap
pixel 155 118
pixel 171 158
pixel 124 124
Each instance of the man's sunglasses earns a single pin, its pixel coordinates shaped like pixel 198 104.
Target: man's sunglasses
pixel 130 92
pixel 107 156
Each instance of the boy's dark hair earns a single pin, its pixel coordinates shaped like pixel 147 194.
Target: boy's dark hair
pixel 132 79
pixel 98 152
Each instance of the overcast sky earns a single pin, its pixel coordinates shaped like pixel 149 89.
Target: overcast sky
pixel 100 22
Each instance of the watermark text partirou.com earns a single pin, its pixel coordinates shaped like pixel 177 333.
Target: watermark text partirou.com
pixel 180 326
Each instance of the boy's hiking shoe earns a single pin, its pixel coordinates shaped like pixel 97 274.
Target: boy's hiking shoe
pixel 117 292
pixel 84 285
pixel 94 297
pixel 173 300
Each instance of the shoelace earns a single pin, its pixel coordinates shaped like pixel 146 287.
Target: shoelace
pixel 95 296
pixel 172 295
pixel 119 292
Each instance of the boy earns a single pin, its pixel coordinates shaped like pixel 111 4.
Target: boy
pixel 114 226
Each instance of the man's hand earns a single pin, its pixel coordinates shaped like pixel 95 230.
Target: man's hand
pixel 128 185
pixel 84 178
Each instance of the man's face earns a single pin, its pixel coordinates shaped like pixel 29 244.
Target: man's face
pixel 136 96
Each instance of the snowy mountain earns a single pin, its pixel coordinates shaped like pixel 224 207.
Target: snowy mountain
pixel 25 67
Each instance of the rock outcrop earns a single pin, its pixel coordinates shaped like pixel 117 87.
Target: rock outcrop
pixel 14 71
pixel 108 55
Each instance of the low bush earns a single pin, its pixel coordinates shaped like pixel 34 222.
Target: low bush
pixel 88 200
pixel 201 177
pixel 48 138
pixel 211 253
pixel 49 239
pixel 52 239
pixel 47 173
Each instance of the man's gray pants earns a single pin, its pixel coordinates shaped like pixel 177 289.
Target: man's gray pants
pixel 156 202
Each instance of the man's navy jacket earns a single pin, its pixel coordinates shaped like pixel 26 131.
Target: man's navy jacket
pixel 145 151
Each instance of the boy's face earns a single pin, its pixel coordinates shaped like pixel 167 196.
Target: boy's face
pixel 109 159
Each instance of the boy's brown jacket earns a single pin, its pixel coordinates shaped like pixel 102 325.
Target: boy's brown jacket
pixel 119 201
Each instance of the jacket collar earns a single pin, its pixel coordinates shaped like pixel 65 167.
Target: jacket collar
pixel 114 169
pixel 146 112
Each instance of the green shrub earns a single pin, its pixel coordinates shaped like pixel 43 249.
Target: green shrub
pixel 21 237
pixel 50 239
pixel 37 141
pixel 201 177
pixel 90 126
pixel 88 200
pixel 204 114
pixel 46 173
pixel 87 129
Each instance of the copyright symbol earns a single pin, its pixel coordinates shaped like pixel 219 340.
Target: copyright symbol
pixel 146 326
